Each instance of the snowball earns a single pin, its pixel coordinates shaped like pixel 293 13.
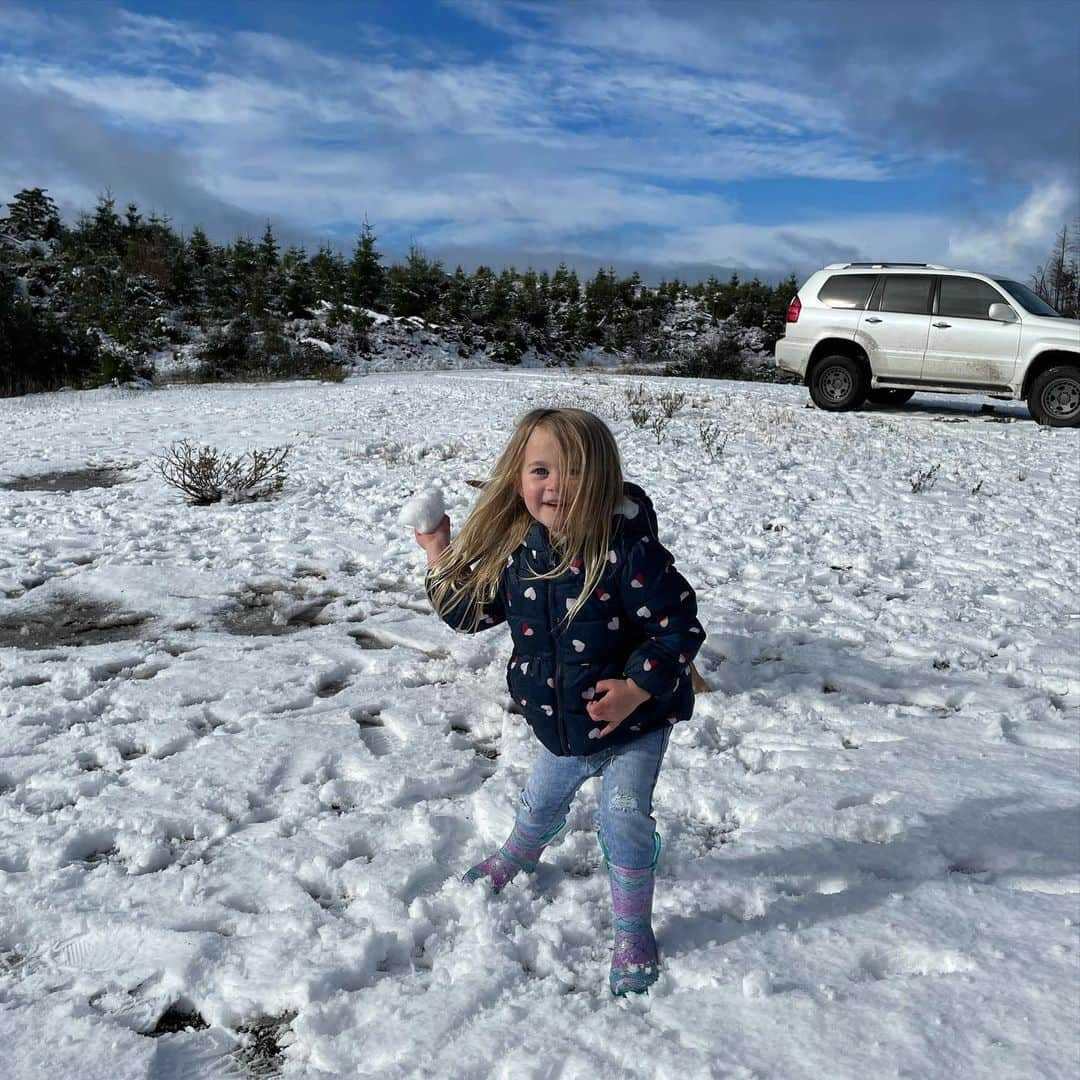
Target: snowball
pixel 757 984
pixel 424 511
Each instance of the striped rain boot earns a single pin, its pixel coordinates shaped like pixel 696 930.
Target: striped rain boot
pixel 635 962
pixel 520 852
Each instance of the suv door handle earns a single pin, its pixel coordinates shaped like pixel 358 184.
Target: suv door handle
pixel 872 318
pixel 943 325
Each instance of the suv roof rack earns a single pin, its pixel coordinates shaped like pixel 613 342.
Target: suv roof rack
pixel 885 265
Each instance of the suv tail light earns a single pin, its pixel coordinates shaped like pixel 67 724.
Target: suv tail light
pixel 793 310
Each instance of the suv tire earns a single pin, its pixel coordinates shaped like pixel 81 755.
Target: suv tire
pixel 838 383
pixel 1054 397
pixel 881 396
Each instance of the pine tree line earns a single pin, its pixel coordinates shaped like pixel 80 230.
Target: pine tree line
pixel 88 303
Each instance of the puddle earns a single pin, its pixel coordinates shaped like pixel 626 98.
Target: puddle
pixel 77 623
pixel 73 480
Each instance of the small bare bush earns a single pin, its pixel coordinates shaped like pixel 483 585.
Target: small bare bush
pixel 658 426
pixel 925 479
pixel 670 402
pixel 206 475
pixel 711 441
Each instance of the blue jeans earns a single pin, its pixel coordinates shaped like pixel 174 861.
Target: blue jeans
pixel 627 827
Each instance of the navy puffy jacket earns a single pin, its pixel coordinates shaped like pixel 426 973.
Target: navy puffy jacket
pixel 640 623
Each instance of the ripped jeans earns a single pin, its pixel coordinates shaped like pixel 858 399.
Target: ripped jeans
pixel 629 773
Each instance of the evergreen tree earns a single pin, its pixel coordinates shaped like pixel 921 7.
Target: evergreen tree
pixel 268 284
pixel 243 263
pixel 298 297
pixel 267 256
pixel 200 249
pixel 329 273
pixel 415 287
pixel 531 302
pixel 456 299
pixel 106 230
pixel 367 279
pixel 565 287
pixel 37 351
pixel 32 215
pixel 601 302
pixel 184 277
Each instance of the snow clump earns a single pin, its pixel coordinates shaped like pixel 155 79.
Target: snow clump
pixel 423 511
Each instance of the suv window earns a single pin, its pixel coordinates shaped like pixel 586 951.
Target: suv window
pixel 847 290
pixel 967 298
pixel 1026 298
pixel 907 293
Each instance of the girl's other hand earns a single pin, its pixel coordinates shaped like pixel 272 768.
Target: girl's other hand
pixel 435 542
pixel 620 698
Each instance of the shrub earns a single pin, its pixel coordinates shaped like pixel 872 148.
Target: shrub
pixel 925 479
pixel 206 475
pixel 244 351
pixel 670 402
pixel 658 427
pixel 711 442
pixel 719 357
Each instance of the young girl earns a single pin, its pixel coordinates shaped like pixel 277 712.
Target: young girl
pixel 604 630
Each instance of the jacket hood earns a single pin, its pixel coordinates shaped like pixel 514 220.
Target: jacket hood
pixel 634 503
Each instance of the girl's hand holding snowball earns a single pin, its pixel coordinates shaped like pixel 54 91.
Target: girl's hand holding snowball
pixel 426 513
pixel 435 542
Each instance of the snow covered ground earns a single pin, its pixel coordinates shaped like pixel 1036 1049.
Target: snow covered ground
pixel 242 803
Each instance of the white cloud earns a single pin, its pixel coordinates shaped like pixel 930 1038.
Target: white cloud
pixel 152 33
pixel 1020 238
pixel 1014 246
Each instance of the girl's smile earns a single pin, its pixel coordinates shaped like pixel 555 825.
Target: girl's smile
pixel 540 479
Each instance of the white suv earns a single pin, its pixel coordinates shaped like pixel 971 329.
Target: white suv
pixel 881 331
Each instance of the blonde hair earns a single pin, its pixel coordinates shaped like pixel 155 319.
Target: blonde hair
pixel 591 485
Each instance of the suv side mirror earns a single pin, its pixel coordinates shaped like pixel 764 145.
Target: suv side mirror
pixel 1002 313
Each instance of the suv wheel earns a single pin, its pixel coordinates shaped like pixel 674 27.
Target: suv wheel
pixel 1054 397
pixel 838 383
pixel 882 396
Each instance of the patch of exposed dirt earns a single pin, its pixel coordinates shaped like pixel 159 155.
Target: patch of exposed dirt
pixel 71 480
pixel 68 621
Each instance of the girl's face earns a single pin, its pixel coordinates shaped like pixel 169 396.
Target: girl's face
pixel 542 488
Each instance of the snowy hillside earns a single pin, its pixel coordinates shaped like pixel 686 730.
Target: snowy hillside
pixel 242 765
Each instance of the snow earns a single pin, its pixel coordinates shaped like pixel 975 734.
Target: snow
pixel 251 795
pixel 424 511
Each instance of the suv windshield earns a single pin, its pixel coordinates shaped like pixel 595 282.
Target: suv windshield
pixel 1026 298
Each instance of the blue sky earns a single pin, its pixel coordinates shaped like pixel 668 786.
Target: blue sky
pixel 663 135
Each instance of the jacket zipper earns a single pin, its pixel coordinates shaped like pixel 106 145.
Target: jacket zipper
pixel 552 619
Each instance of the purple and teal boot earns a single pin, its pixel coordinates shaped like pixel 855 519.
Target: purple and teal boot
pixel 520 852
pixel 635 962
